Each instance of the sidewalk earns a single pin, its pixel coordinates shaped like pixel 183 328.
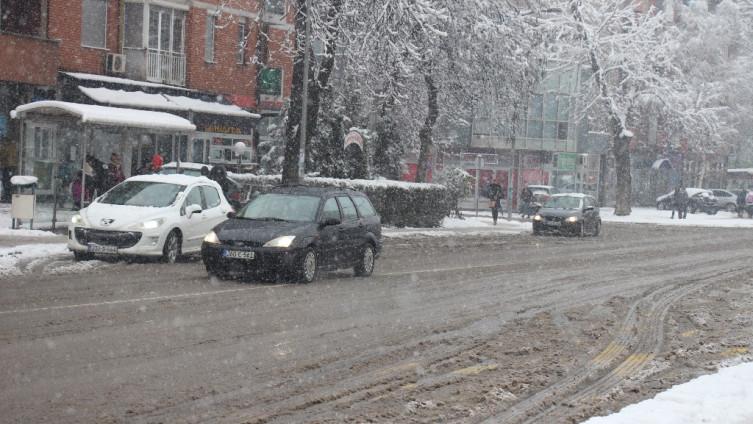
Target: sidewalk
pixel 42 221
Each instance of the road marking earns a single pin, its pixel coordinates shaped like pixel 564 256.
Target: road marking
pixel 138 300
pixel 689 333
pixel 606 356
pixel 440 270
pixel 632 363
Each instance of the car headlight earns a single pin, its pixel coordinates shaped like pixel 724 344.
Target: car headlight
pixel 284 241
pixel 77 219
pixel 537 217
pixel 151 224
pixel 572 219
pixel 212 238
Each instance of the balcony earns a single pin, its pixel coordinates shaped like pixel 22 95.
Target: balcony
pixel 28 59
pixel 166 67
pixel 156 66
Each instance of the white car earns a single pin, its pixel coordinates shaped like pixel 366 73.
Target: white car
pixel 149 215
pixel 187 168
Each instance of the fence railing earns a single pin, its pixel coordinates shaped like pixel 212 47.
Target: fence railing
pixel 166 67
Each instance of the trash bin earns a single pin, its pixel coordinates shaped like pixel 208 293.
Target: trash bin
pixel 24 201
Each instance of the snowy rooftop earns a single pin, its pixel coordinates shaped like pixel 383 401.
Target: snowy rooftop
pixel 113 116
pixel 123 81
pixel 740 171
pixel 141 99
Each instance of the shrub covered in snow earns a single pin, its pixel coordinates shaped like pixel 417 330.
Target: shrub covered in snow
pixel 399 203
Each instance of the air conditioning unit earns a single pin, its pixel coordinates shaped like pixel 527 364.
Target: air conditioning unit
pixel 116 63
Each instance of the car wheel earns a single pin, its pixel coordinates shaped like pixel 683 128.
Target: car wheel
pixel 731 207
pixel 581 230
pixel 82 256
pixel 308 269
pixel 171 251
pixel 712 211
pixel 366 265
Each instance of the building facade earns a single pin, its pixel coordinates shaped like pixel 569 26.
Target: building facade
pixel 223 65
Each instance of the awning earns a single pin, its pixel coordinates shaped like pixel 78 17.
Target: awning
pixel 110 116
pixel 661 164
pixel 141 99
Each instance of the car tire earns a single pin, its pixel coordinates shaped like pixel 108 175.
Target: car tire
pixel 366 264
pixel 731 207
pixel 581 230
pixel 171 250
pixel 308 267
pixel 82 256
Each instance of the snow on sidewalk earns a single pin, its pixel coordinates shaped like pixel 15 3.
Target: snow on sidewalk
pixel 11 258
pixel 470 226
pixel 654 216
pixel 44 219
pixel 722 398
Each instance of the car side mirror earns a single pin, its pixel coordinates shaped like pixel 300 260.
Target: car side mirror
pixel 192 209
pixel 330 221
pixel 231 215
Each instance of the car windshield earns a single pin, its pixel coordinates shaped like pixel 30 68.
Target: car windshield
pixel 282 207
pixel 143 193
pixel 563 202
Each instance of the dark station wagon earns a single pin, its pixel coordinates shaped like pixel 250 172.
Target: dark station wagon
pixel 295 232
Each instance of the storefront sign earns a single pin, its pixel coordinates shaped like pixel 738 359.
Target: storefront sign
pixel 223 129
pixel 566 161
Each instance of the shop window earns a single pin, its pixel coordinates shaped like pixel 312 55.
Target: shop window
pixel 535 129
pixel 562 128
pixel 94 23
pixel 197 151
pixel 26 17
pixel 550 130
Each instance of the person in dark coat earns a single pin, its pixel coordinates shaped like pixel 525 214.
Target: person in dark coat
pixel 219 174
pixel 115 174
pixel 680 198
pixel 99 175
pixel 741 196
pixel 526 196
pixel 495 194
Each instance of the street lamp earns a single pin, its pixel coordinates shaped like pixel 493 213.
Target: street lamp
pixel 239 149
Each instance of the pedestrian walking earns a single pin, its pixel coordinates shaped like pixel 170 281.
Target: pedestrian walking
pixel 740 201
pixel 98 181
pixel 526 196
pixel 680 200
pixel 495 194
pixel 115 174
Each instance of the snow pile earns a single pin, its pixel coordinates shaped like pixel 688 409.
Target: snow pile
pixel 23 180
pixel 722 398
pixel 335 182
pixel 468 227
pixel 11 258
pixel 654 216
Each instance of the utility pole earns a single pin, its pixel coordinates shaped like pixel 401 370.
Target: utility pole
pixel 305 105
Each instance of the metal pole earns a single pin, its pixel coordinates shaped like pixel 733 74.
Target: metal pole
pixel 478 176
pixel 513 180
pixel 87 135
pixel 55 180
pixel 305 108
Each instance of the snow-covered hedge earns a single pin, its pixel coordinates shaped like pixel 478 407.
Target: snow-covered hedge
pixel 399 203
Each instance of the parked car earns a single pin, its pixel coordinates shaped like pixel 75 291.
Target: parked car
pixel 725 200
pixel 296 232
pixel 149 215
pixel 568 213
pixel 698 199
pixel 235 195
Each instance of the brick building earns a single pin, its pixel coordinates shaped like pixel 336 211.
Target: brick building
pixel 223 65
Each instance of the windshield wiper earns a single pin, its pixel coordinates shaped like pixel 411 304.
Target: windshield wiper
pixel 270 218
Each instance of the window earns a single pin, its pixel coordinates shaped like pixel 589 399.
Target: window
pixel 535 129
pixel 349 209
pixel 562 128
pixel 242 42
pixel 276 7
pixel 330 210
pixel 535 106
pixel 209 39
pixel 212 197
pixel 94 23
pixel 133 29
pixel 166 29
pixel 23 17
pixel 364 206
pixel 550 130
pixel 197 151
pixel 550 107
pixel 193 198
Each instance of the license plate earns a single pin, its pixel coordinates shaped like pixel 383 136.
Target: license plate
pixel 96 248
pixel 238 254
pixel 553 223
